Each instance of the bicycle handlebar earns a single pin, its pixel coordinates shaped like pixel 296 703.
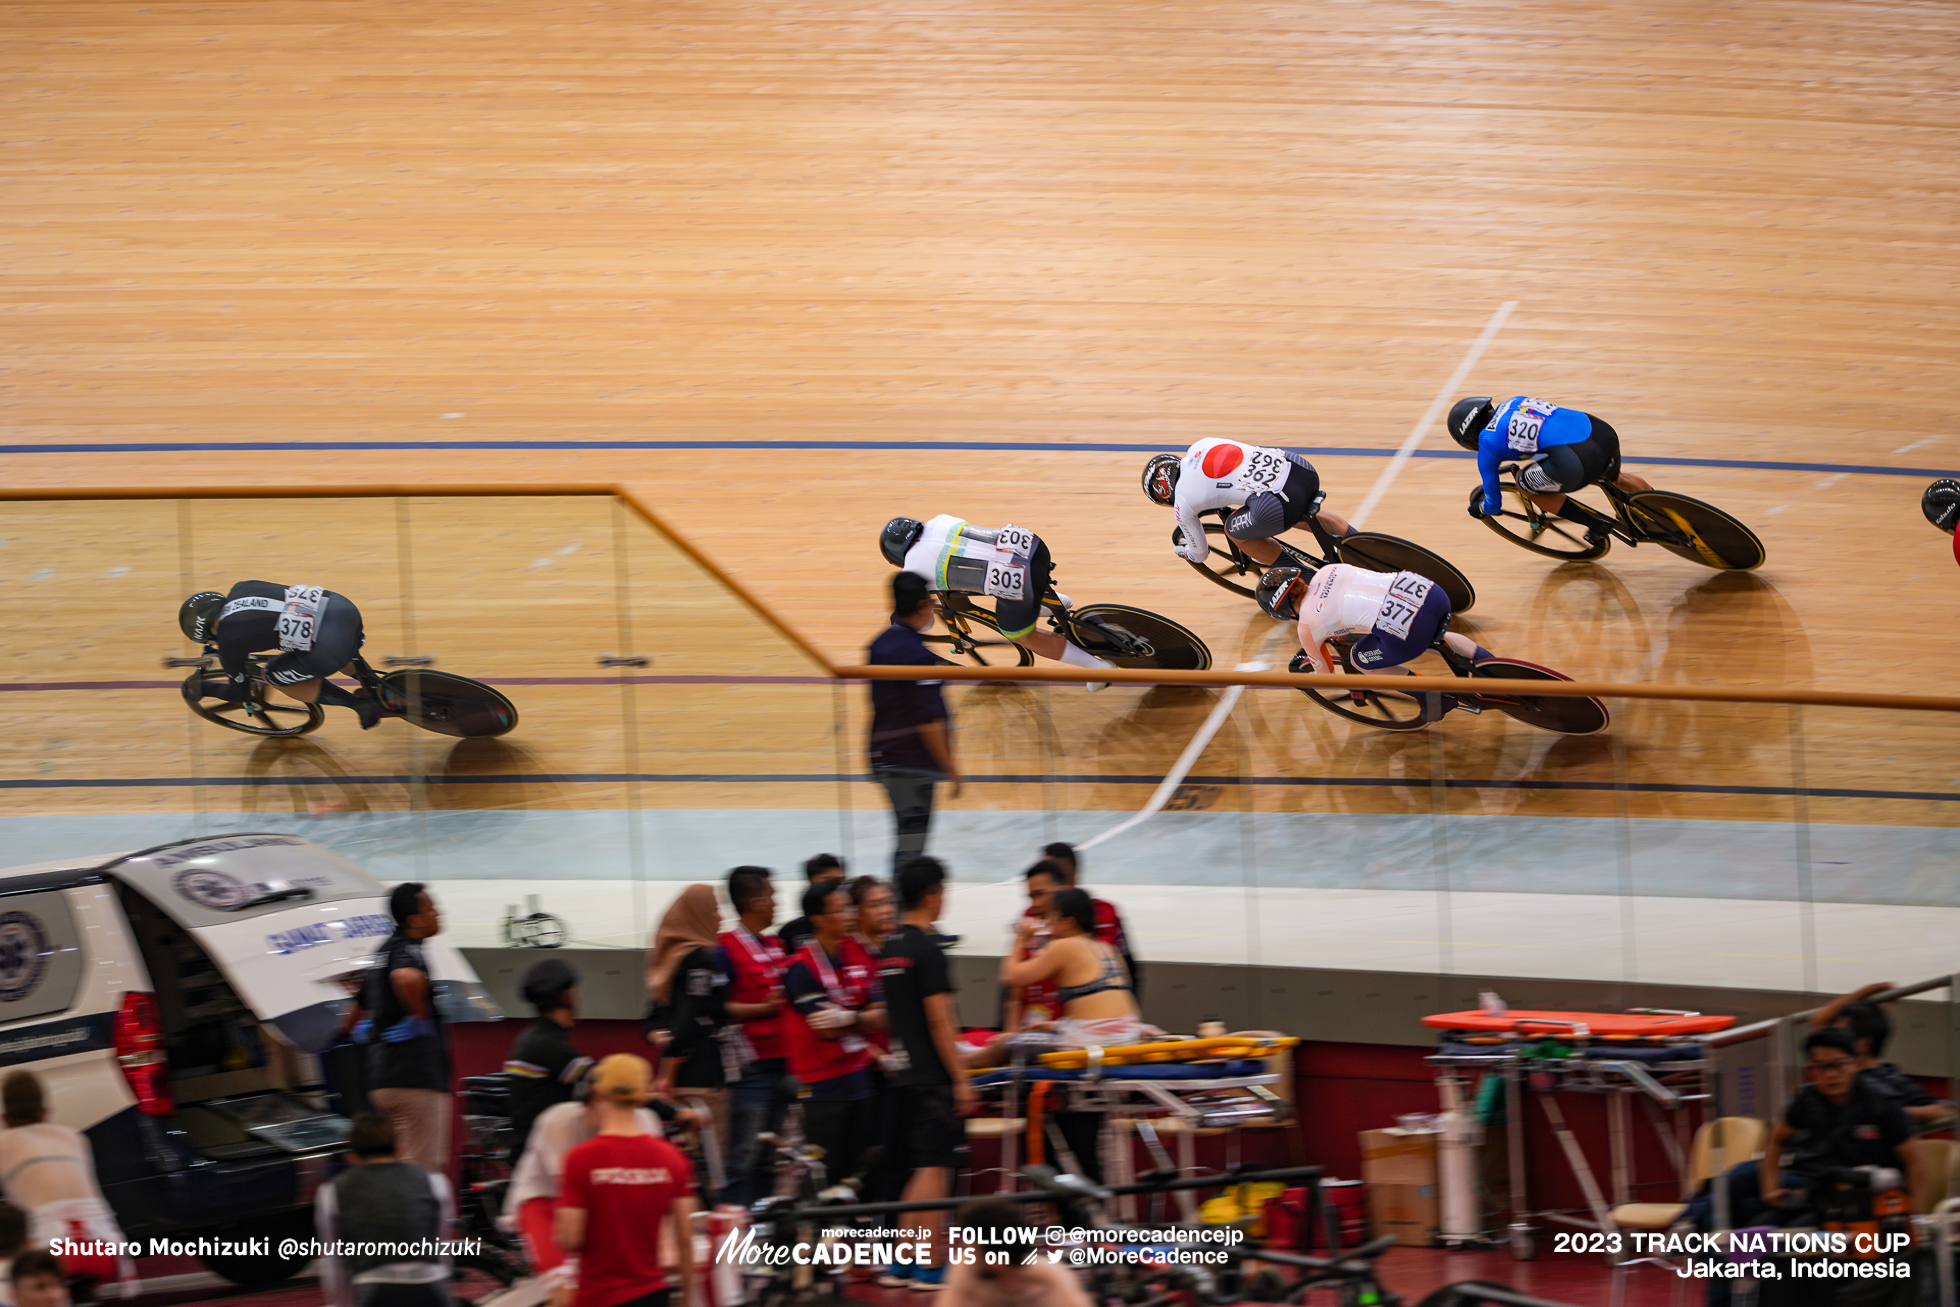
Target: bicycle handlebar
pixel 1344 1264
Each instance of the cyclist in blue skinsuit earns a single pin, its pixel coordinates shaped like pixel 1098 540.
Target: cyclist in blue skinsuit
pixel 1557 450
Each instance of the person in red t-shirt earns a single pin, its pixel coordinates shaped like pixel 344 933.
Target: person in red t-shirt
pixel 619 1189
pixel 760 1098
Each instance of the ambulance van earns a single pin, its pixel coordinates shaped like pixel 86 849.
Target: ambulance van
pixel 174 1002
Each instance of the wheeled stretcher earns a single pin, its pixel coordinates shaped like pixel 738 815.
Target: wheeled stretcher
pixel 1651 1055
pixel 1198 1082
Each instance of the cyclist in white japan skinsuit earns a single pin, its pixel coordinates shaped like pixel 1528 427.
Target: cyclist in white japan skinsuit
pixel 1271 489
pixel 1396 614
pixel 1011 565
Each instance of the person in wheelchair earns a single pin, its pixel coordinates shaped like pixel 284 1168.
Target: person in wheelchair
pixel 1269 491
pixel 317 632
pixel 1010 565
pixel 1557 450
pixel 1397 617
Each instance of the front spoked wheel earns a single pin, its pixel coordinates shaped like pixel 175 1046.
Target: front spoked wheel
pixel 1568 714
pixel 262 716
pixel 1385 553
pixel 1698 532
pixel 1388 710
pixel 1524 524
pixel 1132 637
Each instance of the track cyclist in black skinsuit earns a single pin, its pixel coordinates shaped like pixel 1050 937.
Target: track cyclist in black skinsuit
pixel 318 633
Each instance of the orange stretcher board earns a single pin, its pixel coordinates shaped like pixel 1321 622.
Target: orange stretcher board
pixel 1600 1025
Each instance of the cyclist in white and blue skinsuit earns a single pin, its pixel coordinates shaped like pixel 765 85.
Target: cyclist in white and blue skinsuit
pixel 1557 450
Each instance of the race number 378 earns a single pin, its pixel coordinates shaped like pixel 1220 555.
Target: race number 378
pixel 299 620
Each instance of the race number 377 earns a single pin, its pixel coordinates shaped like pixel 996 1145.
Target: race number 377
pixel 1401 604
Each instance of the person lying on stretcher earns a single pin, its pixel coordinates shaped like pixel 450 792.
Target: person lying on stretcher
pixel 1099 1006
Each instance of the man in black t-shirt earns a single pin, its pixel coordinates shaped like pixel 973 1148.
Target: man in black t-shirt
pixel 1870 1029
pixel 396 1016
pixel 544 1067
pixel 930 1090
pixel 1836 1121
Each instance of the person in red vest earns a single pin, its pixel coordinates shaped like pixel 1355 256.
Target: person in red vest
pixel 831 988
pixel 759 1099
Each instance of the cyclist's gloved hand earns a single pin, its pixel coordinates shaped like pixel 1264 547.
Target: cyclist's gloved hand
pixel 363 1032
pixel 830 1017
pixel 406 1029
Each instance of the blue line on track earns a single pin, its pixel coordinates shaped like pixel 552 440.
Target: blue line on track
pixel 912 446
pixel 826 778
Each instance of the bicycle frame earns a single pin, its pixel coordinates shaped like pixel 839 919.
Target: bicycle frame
pixel 961 615
pixel 1329 551
pixel 1625 528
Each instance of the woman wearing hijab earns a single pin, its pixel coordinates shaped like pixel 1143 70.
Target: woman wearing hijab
pixel 687 985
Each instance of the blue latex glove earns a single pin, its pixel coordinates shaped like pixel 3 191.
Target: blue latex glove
pixel 406 1029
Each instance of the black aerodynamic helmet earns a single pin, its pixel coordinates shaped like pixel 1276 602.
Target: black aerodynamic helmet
pixel 194 618
pixel 899 535
pixel 1941 504
pixel 1160 479
pixel 1280 591
pixel 1468 417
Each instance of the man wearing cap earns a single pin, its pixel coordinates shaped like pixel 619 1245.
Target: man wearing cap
pixel 544 1067
pixel 618 1189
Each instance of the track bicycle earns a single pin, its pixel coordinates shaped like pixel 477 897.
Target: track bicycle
pixel 1398 710
pixel 1689 528
pixel 1126 636
pixel 1228 564
pixel 435 701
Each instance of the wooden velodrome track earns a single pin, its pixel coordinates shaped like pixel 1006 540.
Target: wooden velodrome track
pixel 789 270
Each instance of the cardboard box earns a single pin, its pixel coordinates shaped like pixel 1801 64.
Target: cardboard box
pixel 1410 1212
pixel 1398 1156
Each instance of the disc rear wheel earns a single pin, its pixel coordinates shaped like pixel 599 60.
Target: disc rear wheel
pixel 1133 637
pixel 446 704
pixel 1568 714
pixel 1698 532
pixel 269 717
pixel 1385 553
pixel 1524 524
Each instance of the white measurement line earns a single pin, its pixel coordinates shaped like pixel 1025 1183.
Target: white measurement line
pixel 1230 699
pixel 1430 414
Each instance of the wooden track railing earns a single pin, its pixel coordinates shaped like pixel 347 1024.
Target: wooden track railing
pixel 1033 675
